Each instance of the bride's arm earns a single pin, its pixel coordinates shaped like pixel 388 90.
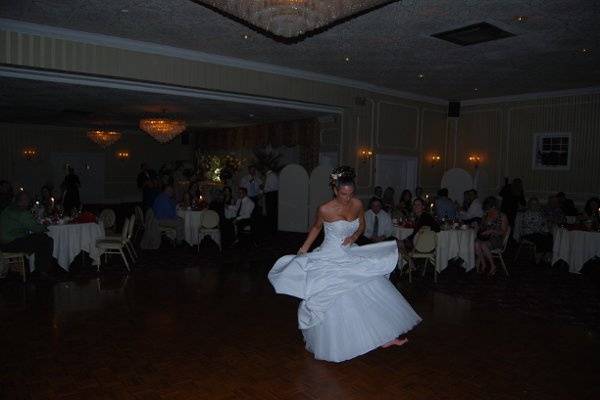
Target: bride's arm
pixel 315 229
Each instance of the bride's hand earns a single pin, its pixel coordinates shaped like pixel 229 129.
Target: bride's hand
pixel 302 251
pixel 348 241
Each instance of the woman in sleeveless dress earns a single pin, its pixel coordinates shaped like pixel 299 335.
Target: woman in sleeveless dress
pixel 349 307
pixel 491 235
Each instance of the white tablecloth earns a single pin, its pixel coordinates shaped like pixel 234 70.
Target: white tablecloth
pixel 575 247
pixel 450 244
pixel 192 221
pixel 72 239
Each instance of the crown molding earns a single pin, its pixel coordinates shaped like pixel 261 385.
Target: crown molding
pixel 533 96
pixel 147 87
pixel 193 55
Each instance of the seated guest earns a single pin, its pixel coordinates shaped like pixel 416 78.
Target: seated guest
pixel 422 219
pixel 20 233
pixel 553 213
pixel 534 228
pixel 241 212
pixel 566 205
pixel 492 231
pixel 166 214
pixel 404 208
pixel 186 201
pixel 378 192
pixel 592 209
pixel 474 212
pixel 378 224
pixel 419 195
pixel 6 194
pixel 444 207
pixel 388 199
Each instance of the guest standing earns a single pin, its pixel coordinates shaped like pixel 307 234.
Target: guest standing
pixel 19 232
pixel 252 183
pixel 70 187
pixel 513 198
pixel 271 190
pixel 166 214
pixel 147 182
pixel 378 192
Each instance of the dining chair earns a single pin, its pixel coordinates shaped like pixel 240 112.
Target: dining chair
pixel 210 226
pixel 112 246
pixel 108 218
pixel 497 253
pixel 17 261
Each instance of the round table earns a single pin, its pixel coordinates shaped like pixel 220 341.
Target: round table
pixel 72 239
pixel 192 221
pixel 575 247
pixel 450 244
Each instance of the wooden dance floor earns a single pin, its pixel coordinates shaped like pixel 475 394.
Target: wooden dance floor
pixel 221 333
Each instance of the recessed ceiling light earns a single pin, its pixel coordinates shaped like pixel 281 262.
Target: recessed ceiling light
pixel 251 115
pixel 520 18
pixel 421 76
pixel 124 10
pixel 476 89
pixel 347 59
pixel 585 50
pixel 246 36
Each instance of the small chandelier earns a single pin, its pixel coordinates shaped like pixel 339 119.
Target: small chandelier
pixel 103 138
pixel 162 129
pixel 291 18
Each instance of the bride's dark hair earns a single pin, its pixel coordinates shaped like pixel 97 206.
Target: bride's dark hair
pixel 342 176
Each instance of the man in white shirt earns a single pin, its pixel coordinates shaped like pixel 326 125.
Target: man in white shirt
pixel 378 223
pixel 242 210
pixel 475 211
pixel 252 183
pixel 271 191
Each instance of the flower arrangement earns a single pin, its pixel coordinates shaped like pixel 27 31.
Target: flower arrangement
pixel 217 168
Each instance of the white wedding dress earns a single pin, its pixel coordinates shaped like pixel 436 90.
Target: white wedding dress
pixel 349 305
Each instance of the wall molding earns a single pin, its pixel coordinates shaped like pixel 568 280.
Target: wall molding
pixel 193 55
pixel 159 88
pixel 533 96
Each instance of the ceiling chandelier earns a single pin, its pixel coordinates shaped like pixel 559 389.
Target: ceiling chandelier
pixel 103 138
pixel 162 129
pixel 291 18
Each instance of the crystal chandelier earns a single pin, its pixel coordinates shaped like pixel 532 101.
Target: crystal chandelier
pixel 291 18
pixel 162 129
pixel 103 138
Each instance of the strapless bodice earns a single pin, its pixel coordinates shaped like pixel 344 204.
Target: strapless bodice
pixel 336 232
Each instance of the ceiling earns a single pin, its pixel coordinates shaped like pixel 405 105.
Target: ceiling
pixel 49 103
pixel 388 47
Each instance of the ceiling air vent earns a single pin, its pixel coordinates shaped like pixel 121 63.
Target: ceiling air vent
pixel 473 34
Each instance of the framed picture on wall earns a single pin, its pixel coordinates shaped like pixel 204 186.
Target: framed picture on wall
pixel 552 151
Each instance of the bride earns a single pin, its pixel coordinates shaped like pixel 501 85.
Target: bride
pixel 349 307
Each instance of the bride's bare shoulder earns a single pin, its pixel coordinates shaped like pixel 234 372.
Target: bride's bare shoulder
pixel 357 203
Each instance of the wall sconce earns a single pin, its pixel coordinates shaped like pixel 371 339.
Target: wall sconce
pixel 29 153
pixel 123 155
pixel 435 160
pixel 365 154
pixel 475 160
